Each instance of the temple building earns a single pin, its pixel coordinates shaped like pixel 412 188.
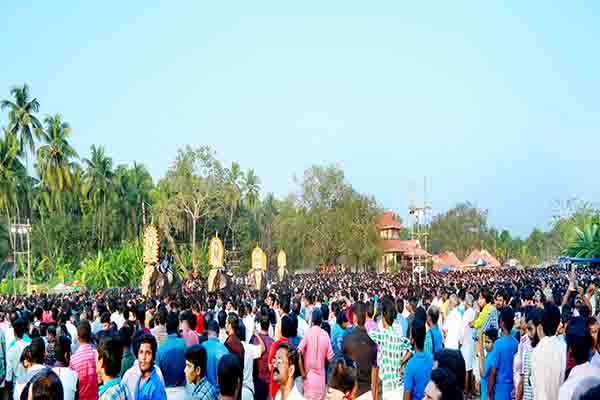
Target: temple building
pixel 397 253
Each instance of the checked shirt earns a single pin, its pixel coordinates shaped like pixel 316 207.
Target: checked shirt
pixel 392 347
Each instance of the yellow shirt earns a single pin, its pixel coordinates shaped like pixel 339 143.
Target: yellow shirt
pixel 444 308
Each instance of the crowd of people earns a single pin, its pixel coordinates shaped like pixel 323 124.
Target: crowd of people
pixel 489 334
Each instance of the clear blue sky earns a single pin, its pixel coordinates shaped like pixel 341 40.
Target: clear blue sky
pixel 498 104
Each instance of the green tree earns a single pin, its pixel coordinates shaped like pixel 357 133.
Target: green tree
pixel 587 242
pixel 536 244
pixel 132 188
pixel 363 235
pixel 22 119
pixel 11 171
pixel 570 214
pixel 26 127
pixel 97 186
pixel 54 158
pixel 460 229
pixel 327 222
pixel 291 232
pixel 192 191
pixel 232 196
pixel 251 188
pixel 4 242
pixel 267 212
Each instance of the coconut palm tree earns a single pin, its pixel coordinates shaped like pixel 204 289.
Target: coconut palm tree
pixel 23 123
pixel 265 217
pixel 22 119
pixel 97 184
pixel 133 186
pixel 54 167
pixel 251 187
pixel 140 183
pixel 11 172
pixel 232 194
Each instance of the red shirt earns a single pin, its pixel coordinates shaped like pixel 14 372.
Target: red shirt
pixel 273 387
pixel 47 317
pixel 200 323
pixel 83 362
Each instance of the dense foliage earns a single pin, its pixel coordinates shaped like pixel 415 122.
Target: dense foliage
pixel 87 213
pixel 88 219
pixel 466 227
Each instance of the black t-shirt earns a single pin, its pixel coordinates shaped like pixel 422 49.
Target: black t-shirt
pixel 362 350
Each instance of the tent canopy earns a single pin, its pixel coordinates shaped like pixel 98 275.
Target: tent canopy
pixel 61 288
pixel 477 255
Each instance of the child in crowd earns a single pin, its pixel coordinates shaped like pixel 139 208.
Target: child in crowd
pixel 485 361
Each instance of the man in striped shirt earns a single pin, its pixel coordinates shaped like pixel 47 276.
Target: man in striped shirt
pixel 83 362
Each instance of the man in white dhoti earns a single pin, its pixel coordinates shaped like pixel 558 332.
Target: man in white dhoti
pixel 454 325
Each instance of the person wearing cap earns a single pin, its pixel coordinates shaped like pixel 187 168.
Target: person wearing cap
pixel 579 344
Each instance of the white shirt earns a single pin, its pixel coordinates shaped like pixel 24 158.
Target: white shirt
pixel 223 335
pixel 302 326
pixel 454 326
pixel 293 395
pixel 468 317
pixel 578 373
pixel 118 319
pixel 14 368
pixel 249 324
pixel 9 336
pixel 69 379
pixel 251 353
pixel 72 329
pixel 23 380
pixel 548 363
pixel 4 326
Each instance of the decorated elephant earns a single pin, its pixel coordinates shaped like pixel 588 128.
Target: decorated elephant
pixel 219 279
pixel 160 283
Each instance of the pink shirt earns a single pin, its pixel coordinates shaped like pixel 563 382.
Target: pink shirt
pixel 83 362
pixel 190 337
pixel 47 317
pixel 370 325
pixel 316 348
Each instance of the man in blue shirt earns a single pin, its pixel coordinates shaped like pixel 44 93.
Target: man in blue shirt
pixel 433 340
pixel 500 382
pixel 171 354
pixel 146 381
pixel 418 369
pixel 337 336
pixel 401 323
pixel 214 350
